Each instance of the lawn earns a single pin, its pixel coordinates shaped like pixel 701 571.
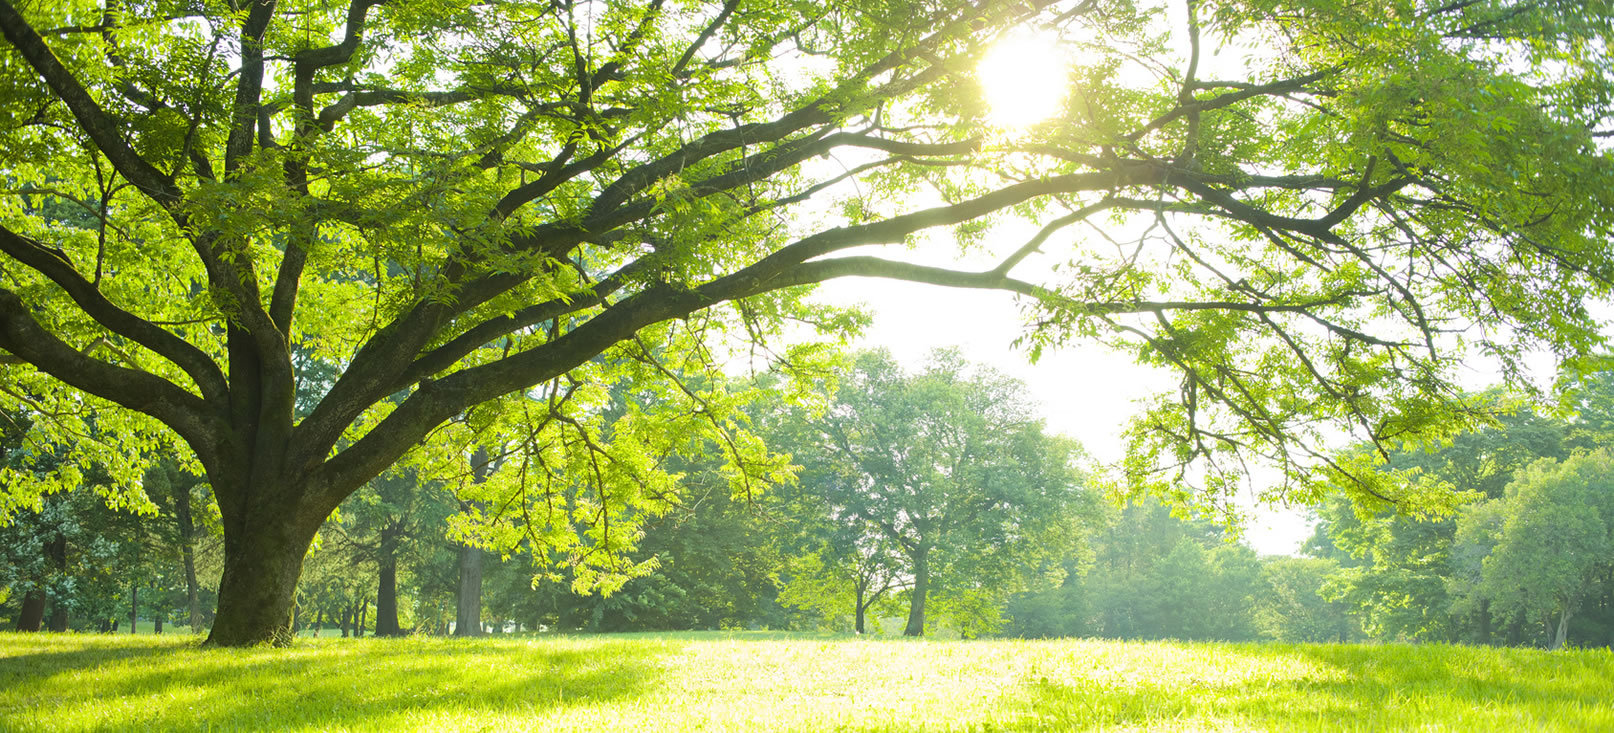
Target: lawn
pixel 724 682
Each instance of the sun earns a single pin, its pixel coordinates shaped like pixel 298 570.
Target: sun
pixel 1024 79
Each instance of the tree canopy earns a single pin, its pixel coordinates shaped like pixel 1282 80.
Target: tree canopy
pixel 464 205
pixel 943 477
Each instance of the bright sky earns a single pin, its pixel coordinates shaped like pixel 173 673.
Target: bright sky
pixel 1083 391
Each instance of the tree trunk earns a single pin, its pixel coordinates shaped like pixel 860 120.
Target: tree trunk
pixel 157 623
pixel 33 611
pixel 187 552
pixel 862 611
pixel 386 597
pixel 358 620
pixel 347 619
pixel 134 607
pixel 58 617
pixel 1563 629
pixel 468 608
pixel 468 601
pixel 57 552
pixel 262 562
pixel 921 588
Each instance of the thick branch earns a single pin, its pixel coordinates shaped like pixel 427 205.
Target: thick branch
pixel 186 413
pixel 52 264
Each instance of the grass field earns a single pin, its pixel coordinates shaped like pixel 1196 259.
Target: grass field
pixel 727 682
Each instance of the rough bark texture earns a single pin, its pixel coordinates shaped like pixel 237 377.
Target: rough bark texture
pixel 33 611
pixel 258 587
pixel 921 587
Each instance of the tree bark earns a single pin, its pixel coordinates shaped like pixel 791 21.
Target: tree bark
pixel 262 563
pixel 134 607
pixel 1485 621
pixel 1563 629
pixel 358 621
pixel 58 617
pixel 857 623
pixel 33 611
pixel 921 588
pixel 386 597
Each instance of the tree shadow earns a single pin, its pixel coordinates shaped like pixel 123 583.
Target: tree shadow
pixel 1351 687
pixel 379 684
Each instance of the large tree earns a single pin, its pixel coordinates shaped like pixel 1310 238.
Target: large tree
pixel 464 203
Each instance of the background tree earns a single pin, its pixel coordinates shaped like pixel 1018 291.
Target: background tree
pixel 1396 566
pixel 1292 608
pixel 948 469
pixel 178 493
pixel 1557 541
pixel 465 205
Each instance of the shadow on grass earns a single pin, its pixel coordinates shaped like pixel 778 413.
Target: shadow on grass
pixel 1376 687
pixel 379 684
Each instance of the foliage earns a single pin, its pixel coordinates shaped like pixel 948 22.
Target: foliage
pixel 1395 567
pixel 945 474
pixel 1556 541
pixel 1293 608
pixel 1152 575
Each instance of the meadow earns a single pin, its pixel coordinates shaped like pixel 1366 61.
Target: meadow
pixel 759 680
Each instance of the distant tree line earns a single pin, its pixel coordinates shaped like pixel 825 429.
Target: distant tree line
pixel 925 500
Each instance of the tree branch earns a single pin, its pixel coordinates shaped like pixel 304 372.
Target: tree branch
pixel 187 414
pixel 54 265
pixel 100 128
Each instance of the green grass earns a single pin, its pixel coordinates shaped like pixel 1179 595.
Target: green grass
pixel 741 681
